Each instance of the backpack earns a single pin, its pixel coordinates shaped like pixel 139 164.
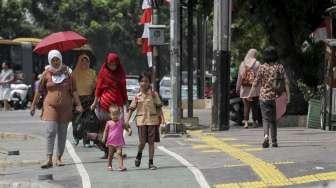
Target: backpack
pixel 248 77
pixel 278 83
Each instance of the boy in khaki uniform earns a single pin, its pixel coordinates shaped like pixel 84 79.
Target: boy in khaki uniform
pixel 149 116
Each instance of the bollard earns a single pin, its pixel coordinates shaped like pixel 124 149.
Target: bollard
pixel 14 152
pixel 45 177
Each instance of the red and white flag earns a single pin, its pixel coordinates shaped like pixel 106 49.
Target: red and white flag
pixel 146 16
pixel 323 31
pixel 146 4
pixel 146 20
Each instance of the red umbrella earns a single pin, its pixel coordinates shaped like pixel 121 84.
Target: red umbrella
pixel 62 41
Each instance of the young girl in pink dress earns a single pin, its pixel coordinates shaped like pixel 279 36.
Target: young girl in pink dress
pixel 113 137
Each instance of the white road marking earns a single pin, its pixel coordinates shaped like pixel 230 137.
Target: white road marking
pixel 80 167
pixel 197 173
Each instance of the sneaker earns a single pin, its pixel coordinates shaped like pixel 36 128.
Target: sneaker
pixel 246 125
pixel 274 145
pixel 265 143
pixel 152 167
pixel 137 162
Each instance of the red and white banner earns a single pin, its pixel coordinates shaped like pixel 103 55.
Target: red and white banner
pixel 324 31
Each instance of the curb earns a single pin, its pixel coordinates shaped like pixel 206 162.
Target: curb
pixel 5 164
pixel 10 135
pixel 8 184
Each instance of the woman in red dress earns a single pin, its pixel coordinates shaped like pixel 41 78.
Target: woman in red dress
pixel 110 91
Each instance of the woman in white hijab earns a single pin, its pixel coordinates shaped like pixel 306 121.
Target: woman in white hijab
pixel 61 92
pixel 247 72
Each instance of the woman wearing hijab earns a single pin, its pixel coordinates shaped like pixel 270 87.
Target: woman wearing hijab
pixel 110 91
pixel 61 92
pixel 85 78
pixel 247 71
pixel 6 77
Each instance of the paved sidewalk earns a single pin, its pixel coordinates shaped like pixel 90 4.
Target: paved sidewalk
pixel 235 158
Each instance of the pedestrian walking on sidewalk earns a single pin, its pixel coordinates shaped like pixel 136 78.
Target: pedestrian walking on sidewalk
pixel 85 79
pixel 272 78
pixel 61 92
pixel 149 116
pixel 113 137
pixel 110 91
pixel 247 72
pixel 6 78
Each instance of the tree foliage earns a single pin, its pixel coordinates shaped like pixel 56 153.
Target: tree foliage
pixel 109 25
pixel 286 25
pixel 113 26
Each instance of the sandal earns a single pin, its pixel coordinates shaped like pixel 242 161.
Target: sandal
pixel 46 165
pixel 109 168
pixel 59 163
pixel 121 169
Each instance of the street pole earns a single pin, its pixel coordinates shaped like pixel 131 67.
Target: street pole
pixel 221 81
pixel 190 57
pixel 201 52
pixel 155 71
pixel 200 56
pixel 175 62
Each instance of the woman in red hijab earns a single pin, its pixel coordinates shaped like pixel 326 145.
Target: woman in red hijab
pixel 111 85
pixel 110 91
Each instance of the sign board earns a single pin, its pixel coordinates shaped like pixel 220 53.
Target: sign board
pixel 156 35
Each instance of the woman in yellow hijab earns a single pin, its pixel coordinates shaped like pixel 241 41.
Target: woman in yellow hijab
pixel 85 78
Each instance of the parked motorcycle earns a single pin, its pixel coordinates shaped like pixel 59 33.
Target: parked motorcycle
pixel 236 105
pixel 18 96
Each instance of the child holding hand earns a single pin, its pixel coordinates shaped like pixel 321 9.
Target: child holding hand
pixel 113 137
pixel 149 116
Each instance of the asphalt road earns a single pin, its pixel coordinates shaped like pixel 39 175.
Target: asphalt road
pixel 234 158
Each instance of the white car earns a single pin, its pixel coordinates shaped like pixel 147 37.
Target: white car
pixel 132 86
pixel 165 90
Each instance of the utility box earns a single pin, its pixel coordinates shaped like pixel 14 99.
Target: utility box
pixel 156 35
pixel 328 98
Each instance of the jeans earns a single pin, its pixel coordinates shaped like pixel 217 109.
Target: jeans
pixel 268 111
